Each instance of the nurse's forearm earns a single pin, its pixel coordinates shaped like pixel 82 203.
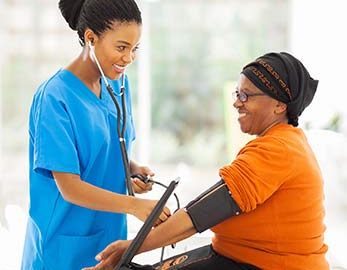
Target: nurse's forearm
pixel 76 191
pixel 176 228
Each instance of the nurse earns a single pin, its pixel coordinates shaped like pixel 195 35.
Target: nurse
pixel 78 201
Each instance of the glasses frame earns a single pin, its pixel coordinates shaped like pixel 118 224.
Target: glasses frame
pixel 243 97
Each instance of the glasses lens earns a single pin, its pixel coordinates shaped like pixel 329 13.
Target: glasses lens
pixel 240 95
pixel 243 97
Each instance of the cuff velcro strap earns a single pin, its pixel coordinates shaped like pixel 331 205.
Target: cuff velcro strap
pixel 212 207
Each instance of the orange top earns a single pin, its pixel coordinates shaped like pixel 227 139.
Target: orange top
pixel 276 181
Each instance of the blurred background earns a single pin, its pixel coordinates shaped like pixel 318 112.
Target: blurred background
pixel 190 57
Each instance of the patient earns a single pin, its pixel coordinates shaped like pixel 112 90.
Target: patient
pixel 267 211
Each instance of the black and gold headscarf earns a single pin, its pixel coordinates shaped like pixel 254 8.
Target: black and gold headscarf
pixel 284 78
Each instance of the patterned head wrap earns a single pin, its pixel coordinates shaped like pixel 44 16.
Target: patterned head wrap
pixel 284 78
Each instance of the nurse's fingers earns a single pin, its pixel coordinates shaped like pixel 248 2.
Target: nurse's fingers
pixel 100 266
pixel 107 264
pixel 163 216
pixel 113 252
pixel 107 251
pixel 108 258
pixel 167 211
pixel 141 187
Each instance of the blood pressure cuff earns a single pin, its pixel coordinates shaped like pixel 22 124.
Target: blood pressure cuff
pixel 212 207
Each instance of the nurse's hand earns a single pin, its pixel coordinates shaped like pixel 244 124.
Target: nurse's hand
pixel 110 256
pixel 143 207
pixel 140 187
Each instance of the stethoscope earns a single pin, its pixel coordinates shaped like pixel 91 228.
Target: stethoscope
pixel 120 112
pixel 121 128
pixel 121 131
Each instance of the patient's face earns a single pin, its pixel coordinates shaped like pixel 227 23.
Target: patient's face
pixel 256 114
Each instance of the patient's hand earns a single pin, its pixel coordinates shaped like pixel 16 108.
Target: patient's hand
pixel 110 256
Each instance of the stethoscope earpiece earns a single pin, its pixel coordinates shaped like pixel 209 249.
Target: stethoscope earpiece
pixel 90 44
pixel 92 50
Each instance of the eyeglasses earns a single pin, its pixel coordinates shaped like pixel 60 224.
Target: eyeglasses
pixel 243 97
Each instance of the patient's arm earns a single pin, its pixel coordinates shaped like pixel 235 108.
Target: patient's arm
pixel 198 215
pixel 176 228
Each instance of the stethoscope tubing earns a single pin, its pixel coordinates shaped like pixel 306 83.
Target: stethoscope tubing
pixel 120 129
pixel 121 132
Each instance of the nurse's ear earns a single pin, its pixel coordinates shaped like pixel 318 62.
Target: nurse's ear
pixel 90 36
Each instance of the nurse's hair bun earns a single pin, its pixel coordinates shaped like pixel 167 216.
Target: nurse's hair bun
pixel 71 10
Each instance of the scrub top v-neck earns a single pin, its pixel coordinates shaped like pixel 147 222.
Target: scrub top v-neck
pixel 73 131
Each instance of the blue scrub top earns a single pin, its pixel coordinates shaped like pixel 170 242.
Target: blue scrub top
pixel 74 131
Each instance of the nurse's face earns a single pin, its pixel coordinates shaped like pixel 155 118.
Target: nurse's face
pixel 116 48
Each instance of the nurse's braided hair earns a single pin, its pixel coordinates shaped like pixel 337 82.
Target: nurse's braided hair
pixel 98 15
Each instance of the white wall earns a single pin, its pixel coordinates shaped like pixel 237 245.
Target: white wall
pixel 319 39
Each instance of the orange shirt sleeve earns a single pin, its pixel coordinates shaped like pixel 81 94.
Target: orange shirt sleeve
pixel 257 172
